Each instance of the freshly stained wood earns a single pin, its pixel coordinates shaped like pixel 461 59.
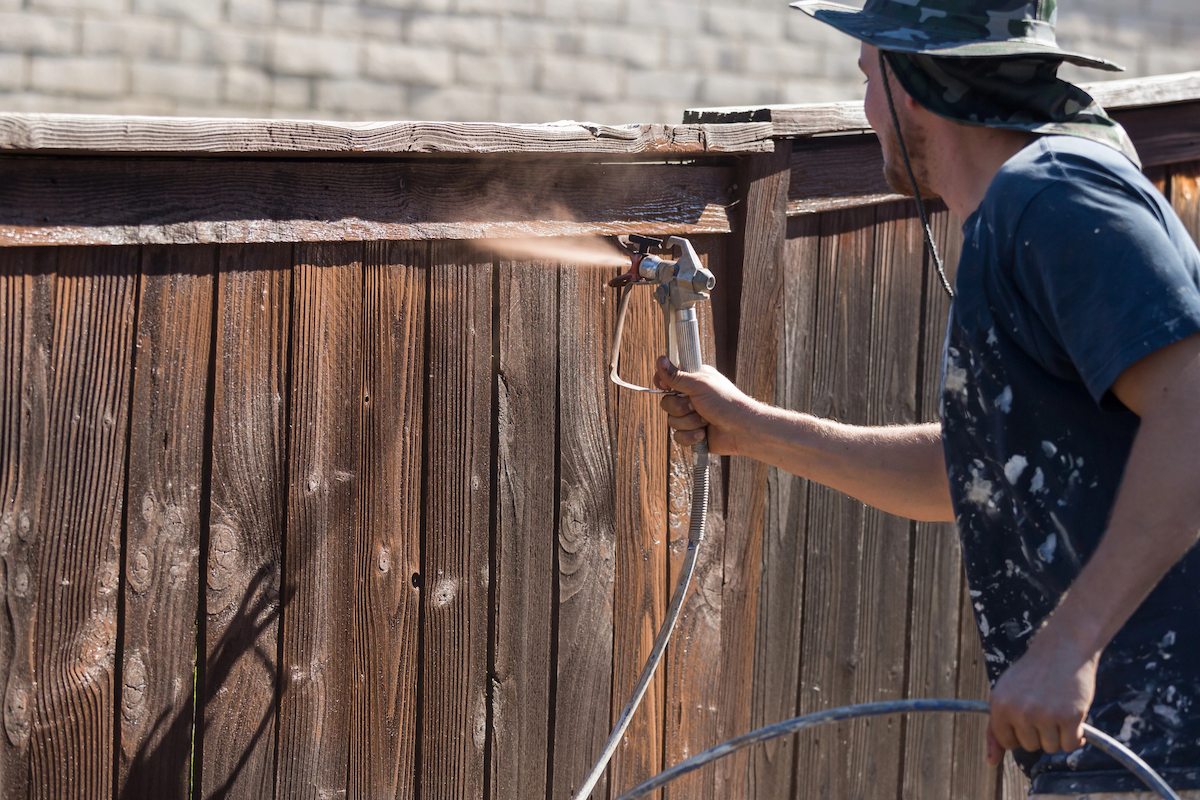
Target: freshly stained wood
pixel 27 315
pixel 457 524
pixel 587 542
pixel 759 252
pixel 781 606
pixel 317 657
pixel 525 522
pixel 1164 134
pixel 833 644
pixel 937 563
pixel 641 593
pixel 74 133
pixel 1185 195
pixel 247 522
pixel 77 525
pixel 387 549
pixel 166 486
pixel 691 666
pixel 832 174
pixel 122 201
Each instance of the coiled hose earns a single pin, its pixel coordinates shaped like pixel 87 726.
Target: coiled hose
pixel 1097 738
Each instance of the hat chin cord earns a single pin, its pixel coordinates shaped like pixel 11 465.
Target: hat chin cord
pixel 912 180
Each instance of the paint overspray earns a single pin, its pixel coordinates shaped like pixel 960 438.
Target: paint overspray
pixel 584 251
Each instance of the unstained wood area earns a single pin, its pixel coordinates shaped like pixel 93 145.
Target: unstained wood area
pixel 367 520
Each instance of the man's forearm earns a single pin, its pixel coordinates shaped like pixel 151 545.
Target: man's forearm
pixel 898 469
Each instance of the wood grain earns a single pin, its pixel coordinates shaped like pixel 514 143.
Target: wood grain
pixel 833 641
pixel 587 525
pixel 691 666
pixel 759 252
pixel 832 174
pixel 77 527
pixel 317 657
pixel 387 549
pixel 247 522
pixel 457 525
pixel 933 662
pixel 525 524
pixel 781 609
pixel 972 778
pixel 27 316
pixel 641 593
pixel 1185 195
pixel 124 201
pixel 75 134
pixel 162 536
pixel 817 118
pixel 1163 134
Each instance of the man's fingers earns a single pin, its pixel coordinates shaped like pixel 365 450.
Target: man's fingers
pixel 995 753
pixel 675 405
pixel 1071 738
pixel 1048 737
pixel 688 422
pixel 688 438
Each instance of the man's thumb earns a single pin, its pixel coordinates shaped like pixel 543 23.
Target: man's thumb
pixel 671 376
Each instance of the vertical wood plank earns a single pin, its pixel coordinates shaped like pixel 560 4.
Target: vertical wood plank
pixel 247 519
pixel 586 528
pixel 642 536
pixel 691 665
pixel 972 778
pixel 27 317
pixel 834 572
pixel 937 567
pixel 457 524
pixel 1185 195
pixel 781 608
pixel 758 248
pixel 1013 783
pixel 162 539
pixel 878 663
pixel 388 542
pixel 317 652
pixel 525 522
pixel 78 525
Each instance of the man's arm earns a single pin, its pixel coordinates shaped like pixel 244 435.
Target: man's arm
pixel 898 469
pixel 1042 699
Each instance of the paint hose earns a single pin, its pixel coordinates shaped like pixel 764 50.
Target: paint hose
pixel 686 335
pixel 1097 738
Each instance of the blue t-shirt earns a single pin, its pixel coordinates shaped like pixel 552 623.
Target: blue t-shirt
pixel 1073 267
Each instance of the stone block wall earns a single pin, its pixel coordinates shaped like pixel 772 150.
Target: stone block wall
pixel 607 61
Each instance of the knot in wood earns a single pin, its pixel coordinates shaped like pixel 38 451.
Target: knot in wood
pixel 133 693
pixel 17 719
pixel 8 526
pixel 109 578
pixel 20 581
pixel 385 560
pixel 224 557
pixel 139 571
pixel 444 592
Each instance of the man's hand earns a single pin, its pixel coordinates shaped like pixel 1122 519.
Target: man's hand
pixel 710 401
pixel 1041 701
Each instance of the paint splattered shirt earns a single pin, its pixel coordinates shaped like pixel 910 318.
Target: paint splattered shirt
pixel 1073 267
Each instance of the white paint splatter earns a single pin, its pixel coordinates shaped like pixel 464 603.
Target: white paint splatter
pixel 1168 640
pixel 979 489
pixel 991 337
pixel 1049 449
pixel 1004 400
pixel 984 628
pixel 1046 551
pixel 1130 728
pixel 1038 482
pixel 956 379
pixel 1013 469
pixel 1171 715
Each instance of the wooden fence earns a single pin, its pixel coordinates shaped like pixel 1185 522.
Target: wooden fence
pixel 305 495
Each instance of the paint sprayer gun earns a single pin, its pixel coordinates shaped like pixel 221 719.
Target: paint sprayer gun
pixel 679 285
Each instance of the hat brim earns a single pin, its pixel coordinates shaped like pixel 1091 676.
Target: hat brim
pixel 886 34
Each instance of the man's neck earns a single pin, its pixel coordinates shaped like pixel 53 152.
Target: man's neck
pixel 968 158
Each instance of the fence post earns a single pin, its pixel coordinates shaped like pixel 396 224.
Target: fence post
pixel 756 280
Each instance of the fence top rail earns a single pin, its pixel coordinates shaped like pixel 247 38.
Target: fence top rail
pixel 102 135
pixel 848 117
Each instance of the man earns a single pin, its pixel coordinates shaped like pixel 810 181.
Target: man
pixel 1068 449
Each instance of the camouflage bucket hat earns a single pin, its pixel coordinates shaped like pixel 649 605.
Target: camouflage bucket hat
pixel 960 28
